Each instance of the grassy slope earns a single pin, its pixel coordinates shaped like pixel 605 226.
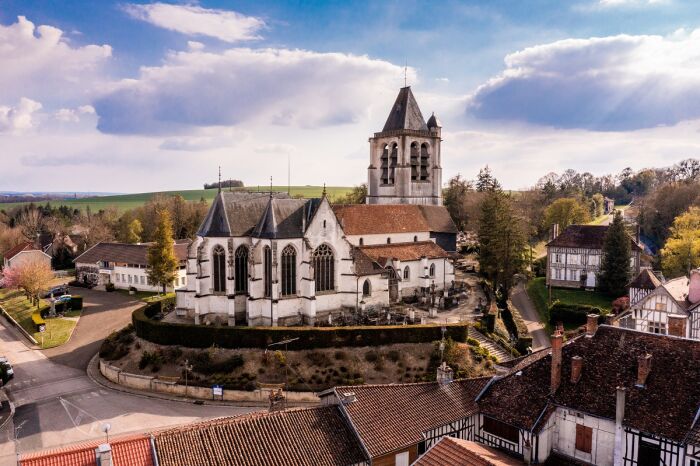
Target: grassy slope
pixel 130 201
pixel 58 330
pixel 539 295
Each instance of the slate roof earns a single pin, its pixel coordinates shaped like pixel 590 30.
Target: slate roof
pixel 666 406
pixel 433 122
pixel 12 252
pixel 381 253
pixel 257 214
pixel 646 280
pixel 405 113
pixel 128 253
pixel 394 416
pixel 296 437
pixel 132 450
pixel 585 236
pixel 368 219
pixel 450 451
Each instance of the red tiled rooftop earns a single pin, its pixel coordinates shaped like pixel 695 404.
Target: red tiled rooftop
pixel 133 450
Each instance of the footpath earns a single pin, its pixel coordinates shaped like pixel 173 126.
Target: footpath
pixel 528 311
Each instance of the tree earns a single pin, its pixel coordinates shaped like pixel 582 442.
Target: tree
pixel 485 181
pixel 358 195
pixel 134 231
pixel 455 199
pixel 502 244
pixel 598 201
pixel 30 222
pixel 32 276
pixel 564 212
pixel 162 263
pixel 615 266
pixel 681 253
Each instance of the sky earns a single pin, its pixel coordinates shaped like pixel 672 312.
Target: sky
pixel 119 96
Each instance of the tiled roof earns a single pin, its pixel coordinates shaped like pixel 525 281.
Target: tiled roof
pixel 364 265
pixel 405 113
pixel 646 280
pixel 666 406
pixel 678 289
pixel 380 253
pixel 450 451
pixel 366 219
pixel 438 218
pixel 12 252
pixel 133 450
pixel 124 252
pixel 390 417
pixel 297 437
pixel 585 236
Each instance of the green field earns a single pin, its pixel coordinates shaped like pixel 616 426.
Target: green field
pixel 129 201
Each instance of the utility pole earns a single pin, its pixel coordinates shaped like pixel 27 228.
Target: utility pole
pixel 188 368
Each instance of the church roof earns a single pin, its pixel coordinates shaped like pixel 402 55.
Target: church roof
pixel 257 214
pixel 405 114
pixel 369 219
pixel 433 122
pixel 382 253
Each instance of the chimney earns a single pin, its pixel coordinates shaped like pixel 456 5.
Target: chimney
pixel 348 397
pixel 619 434
pixel 444 374
pixel 103 455
pixel 554 232
pixel 576 366
pixel 643 369
pixel 694 286
pixel 591 324
pixel 556 361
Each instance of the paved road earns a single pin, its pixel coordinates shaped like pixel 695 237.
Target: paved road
pixel 529 313
pixel 57 404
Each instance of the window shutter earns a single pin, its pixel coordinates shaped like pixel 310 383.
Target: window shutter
pixel 584 438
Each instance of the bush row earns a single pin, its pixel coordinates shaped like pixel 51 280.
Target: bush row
pixel 515 323
pixel 572 314
pixel 75 304
pixel 201 336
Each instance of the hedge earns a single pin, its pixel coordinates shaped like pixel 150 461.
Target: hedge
pixel 76 303
pixel 516 325
pixel 203 336
pixel 572 314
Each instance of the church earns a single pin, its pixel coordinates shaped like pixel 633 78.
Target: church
pixel 265 259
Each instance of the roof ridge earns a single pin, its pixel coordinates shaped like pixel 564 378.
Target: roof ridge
pixel 84 445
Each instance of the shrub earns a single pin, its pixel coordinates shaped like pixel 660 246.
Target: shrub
pixel 109 287
pixel 201 336
pixel 319 358
pixel 620 305
pixel 393 355
pixel 371 356
pixel 340 355
pixel 133 288
pixel 150 358
pixel 572 314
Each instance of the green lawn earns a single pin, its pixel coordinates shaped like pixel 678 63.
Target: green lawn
pixel 130 201
pixel 539 295
pixel 58 330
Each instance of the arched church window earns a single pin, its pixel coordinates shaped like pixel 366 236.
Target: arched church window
pixel 415 239
pixel 406 273
pixel 432 270
pixel 324 268
pixel 240 269
pixel 219 269
pixel 393 162
pixel 366 288
pixel 414 161
pixel 289 271
pixel 424 162
pixel 267 266
pixel 385 164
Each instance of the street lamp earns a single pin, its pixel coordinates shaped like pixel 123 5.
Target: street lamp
pixel 188 367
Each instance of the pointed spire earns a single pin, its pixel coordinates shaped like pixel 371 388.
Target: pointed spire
pixel 405 113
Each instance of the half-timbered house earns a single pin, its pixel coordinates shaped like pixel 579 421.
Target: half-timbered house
pixel 574 256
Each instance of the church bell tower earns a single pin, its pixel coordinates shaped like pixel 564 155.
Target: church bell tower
pixel 404 165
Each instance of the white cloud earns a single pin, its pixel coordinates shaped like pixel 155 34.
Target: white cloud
pixel 296 88
pixel 228 26
pixel 19 117
pixel 612 83
pixel 627 3
pixel 33 57
pixel 72 115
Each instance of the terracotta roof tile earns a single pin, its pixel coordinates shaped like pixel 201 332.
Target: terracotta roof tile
pixel 366 219
pixel 394 416
pixel 313 436
pixel 133 450
pixel 403 251
pixel 450 451
pixel 128 253
pixel 666 406
pixel 585 236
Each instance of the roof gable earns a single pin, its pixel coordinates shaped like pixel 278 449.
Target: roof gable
pixel 12 252
pixel 645 280
pixel 405 113
pixel 126 253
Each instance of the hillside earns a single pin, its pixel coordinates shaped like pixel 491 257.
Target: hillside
pixel 130 201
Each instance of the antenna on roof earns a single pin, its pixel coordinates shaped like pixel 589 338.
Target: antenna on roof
pixel 219 178
pixel 405 74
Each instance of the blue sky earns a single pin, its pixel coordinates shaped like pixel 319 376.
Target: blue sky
pixel 133 96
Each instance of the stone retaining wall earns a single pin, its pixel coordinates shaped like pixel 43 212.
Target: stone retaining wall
pixel 154 384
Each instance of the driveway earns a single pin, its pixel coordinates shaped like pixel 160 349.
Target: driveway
pixel 529 313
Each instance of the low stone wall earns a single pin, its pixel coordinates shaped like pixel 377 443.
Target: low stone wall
pixel 154 384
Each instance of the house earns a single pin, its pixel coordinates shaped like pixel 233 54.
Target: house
pixel 574 256
pixel 608 205
pixel 452 451
pixel 265 259
pixel 668 308
pixel 398 422
pixel 611 396
pixel 24 252
pixel 130 450
pixel 126 265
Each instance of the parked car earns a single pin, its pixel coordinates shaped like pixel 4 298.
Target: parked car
pixel 64 299
pixel 8 373
pixel 56 291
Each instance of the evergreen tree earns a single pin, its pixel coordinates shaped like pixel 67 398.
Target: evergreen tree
pixel 502 244
pixel 454 198
pixel 162 263
pixel 485 181
pixel 617 251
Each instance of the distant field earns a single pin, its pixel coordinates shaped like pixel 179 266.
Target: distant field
pixel 130 201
